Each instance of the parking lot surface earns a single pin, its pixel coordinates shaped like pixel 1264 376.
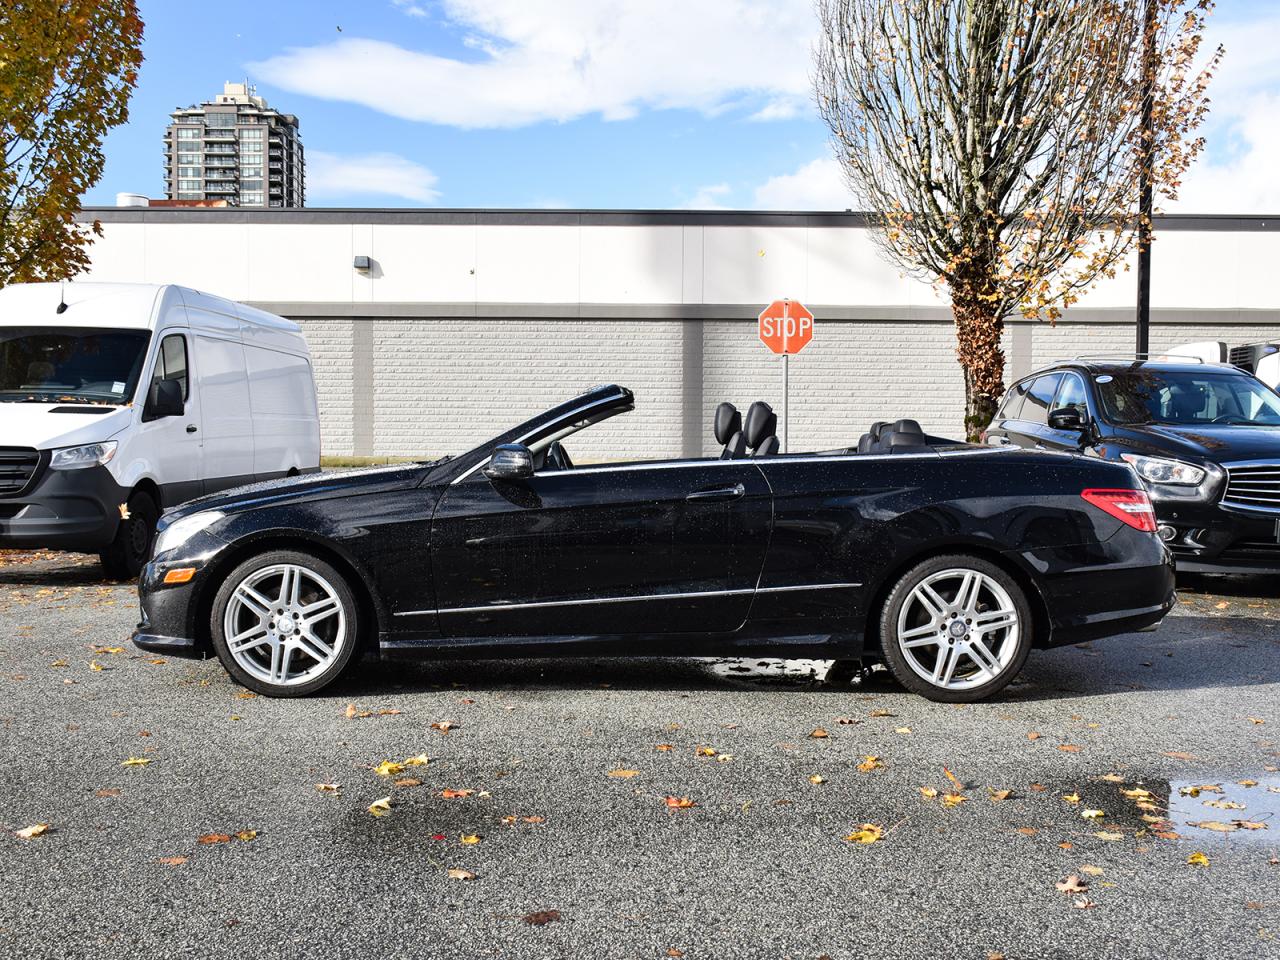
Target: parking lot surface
pixel 636 808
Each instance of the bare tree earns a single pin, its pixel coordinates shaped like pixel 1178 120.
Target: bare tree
pixel 998 144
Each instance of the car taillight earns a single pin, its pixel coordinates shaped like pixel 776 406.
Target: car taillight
pixel 1131 506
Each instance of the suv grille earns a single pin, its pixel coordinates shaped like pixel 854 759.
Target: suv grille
pixel 18 467
pixel 1256 486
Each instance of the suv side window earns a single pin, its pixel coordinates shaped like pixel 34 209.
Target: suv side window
pixel 171 361
pixel 1011 409
pixel 1036 409
pixel 1071 395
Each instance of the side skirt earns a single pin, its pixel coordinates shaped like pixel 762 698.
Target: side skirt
pixel 819 646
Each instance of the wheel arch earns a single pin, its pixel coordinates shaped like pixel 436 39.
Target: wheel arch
pixel 372 613
pixel 1023 576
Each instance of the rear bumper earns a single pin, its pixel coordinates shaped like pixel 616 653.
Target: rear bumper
pixel 65 510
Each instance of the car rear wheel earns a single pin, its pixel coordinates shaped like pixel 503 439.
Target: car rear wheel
pixel 285 624
pixel 955 629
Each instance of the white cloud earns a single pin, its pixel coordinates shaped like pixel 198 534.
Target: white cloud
pixel 818 185
pixel 613 58
pixel 410 7
pixel 710 197
pixel 384 174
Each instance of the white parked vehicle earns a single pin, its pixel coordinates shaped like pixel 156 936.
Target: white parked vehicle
pixel 118 400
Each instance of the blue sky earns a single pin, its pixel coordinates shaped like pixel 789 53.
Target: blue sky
pixel 581 103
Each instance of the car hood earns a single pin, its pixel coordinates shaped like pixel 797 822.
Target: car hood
pixel 49 425
pixel 1221 443
pixel 309 487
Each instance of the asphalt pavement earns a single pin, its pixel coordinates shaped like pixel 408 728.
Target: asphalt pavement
pixel 636 808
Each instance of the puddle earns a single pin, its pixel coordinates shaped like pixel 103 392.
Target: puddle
pixel 752 668
pixel 1242 810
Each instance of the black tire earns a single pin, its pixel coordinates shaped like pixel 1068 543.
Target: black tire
pixel 343 654
pixel 128 553
pixel 1007 647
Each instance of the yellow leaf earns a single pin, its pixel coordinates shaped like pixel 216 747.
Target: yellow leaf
pixel 59 663
pixel 867 833
pixel 624 774
pixel 816 779
pixel 1091 870
pixel 869 763
pixel 1071 797
pixel 247 835
pixel 1250 825
pixel 470 838
pixel 705 752
pixel 998 795
pixel 95 665
pixel 953 799
pixel 1215 825
pixel 1108 835
pixel 35 830
pixel 388 768
pixel 135 762
pixel 1092 814
pixel 928 792
pixel 1137 793
pixel 952 777
pixel 380 808
pixel 1247 783
pixel 903 730
pixel 421 760
pixel 881 713
pixel 1112 778
pixel 328 787
pixel 1198 859
pixel 819 734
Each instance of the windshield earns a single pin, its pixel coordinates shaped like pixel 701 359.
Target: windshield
pixel 1193 397
pixel 55 364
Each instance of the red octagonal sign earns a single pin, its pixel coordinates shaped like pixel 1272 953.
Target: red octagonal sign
pixel 785 326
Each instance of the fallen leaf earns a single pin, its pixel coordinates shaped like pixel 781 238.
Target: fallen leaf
pixel 246 835
pixel 953 799
pixel 1137 793
pixel 1071 884
pixel 1247 783
pixel 999 795
pixel 928 792
pixel 673 952
pixel 902 730
pixel 1068 748
pixel 470 839
pixel 881 713
pixel 1250 825
pixel 1038 788
pixel 209 838
pixel 1255 720
pixel 1198 859
pixel 1033 735
pixel 380 808
pixel 328 787
pixel 246 695
pixel 1083 903
pixel 35 830
pixel 1026 831
pixel 704 752
pixel 135 762
pixel 541 917
pixel 867 833
pixel 870 763
pixel 1224 804
pixel 680 803
pixel 534 819
pixel 1071 797
pixel 1066 845
pixel 388 768
pixel 819 734
pixel 421 760
pixel 1215 825
pixel 1092 814
pixel 59 663
pixel 107 792
pixel 624 774
pixel 663 747
pixel 352 712
pixel 1112 778
pixel 444 726
pixel 1109 836
pixel 1196 790
pixel 407 782
pixel 816 779
pixel 455 794
pixel 1091 870
pixel 456 874
pixel 952 777
pixel 172 861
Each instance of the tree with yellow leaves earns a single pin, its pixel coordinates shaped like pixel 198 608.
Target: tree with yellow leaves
pixel 999 144
pixel 67 69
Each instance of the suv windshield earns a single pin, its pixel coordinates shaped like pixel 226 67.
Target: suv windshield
pixel 54 364
pixel 1192 397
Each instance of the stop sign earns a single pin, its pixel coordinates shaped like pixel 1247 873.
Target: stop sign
pixel 785 326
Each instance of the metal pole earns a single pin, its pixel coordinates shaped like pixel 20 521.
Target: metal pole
pixel 1145 176
pixel 786 390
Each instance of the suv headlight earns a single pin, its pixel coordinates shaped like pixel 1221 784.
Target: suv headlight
pixel 180 531
pixel 89 455
pixel 1161 470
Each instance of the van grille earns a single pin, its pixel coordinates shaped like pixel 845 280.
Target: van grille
pixel 18 466
pixel 1256 486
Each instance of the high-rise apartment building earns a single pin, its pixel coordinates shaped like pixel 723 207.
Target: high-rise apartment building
pixel 234 148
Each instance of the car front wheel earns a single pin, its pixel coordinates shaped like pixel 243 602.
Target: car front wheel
pixel 285 624
pixel 956 629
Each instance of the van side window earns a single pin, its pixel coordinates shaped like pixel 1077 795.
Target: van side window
pixel 1071 395
pixel 1036 409
pixel 171 363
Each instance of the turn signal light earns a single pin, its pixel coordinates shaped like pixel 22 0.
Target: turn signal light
pixel 1131 506
pixel 180 575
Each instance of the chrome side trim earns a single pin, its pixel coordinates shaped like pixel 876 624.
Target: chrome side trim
pixel 650 596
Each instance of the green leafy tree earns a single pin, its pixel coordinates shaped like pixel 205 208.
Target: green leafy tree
pixel 999 144
pixel 67 68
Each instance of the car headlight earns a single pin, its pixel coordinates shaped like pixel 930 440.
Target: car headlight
pixel 89 455
pixel 180 531
pixel 1162 470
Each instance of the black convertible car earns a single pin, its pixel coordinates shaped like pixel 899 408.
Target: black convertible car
pixel 947 561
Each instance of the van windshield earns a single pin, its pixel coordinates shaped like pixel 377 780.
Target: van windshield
pixel 57 364
pixel 1191 397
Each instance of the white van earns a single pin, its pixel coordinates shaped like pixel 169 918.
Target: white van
pixel 118 400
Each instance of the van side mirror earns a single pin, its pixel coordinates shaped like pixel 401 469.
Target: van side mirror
pixel 510 461
pixel 164 399
pixel 1066 418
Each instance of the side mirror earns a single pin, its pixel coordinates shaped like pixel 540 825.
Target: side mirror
pixel 510 461
pixel 1066 418
pixel 164 399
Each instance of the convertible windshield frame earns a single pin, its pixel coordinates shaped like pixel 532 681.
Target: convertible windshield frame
pixel 1194 397
pixel 57 364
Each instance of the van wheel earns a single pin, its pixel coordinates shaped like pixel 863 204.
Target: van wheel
pixel 285 624
pixel 129 552
pixel 955 629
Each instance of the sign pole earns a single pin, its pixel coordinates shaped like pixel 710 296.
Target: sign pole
pixel 786 367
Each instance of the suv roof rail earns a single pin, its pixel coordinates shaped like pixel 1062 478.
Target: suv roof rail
pixel 1135 358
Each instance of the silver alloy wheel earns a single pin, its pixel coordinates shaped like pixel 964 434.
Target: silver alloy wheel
pixel 284 624
pixel 958 629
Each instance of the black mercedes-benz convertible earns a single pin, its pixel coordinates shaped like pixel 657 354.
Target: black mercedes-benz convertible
pixel 946 561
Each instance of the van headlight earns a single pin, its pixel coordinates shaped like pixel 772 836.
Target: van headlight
pixel 89 455
pixel 180 531
pixel 1164 471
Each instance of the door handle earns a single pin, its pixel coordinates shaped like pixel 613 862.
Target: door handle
pixel 718 493
pixel 191 428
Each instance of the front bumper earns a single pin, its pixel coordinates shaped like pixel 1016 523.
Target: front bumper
pixel 170 611
pixel 1213 538
pixel 64 510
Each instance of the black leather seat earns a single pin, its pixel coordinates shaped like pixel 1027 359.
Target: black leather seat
pixel 728 431
pixel 867 442
pixel 901 436
pixel 761 428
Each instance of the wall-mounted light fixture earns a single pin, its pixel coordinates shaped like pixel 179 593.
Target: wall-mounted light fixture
pixel 363 264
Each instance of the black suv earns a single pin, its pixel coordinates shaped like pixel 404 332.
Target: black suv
pixel 1204 437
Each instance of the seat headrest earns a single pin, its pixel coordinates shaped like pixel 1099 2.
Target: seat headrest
pixel 874 432
pixel 907 426
pixel 728 422
pixel 761 422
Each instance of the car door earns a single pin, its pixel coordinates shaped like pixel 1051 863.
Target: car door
pixel 1005 423
pixel 174 444
pixel 628 549
pixel 1029 429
